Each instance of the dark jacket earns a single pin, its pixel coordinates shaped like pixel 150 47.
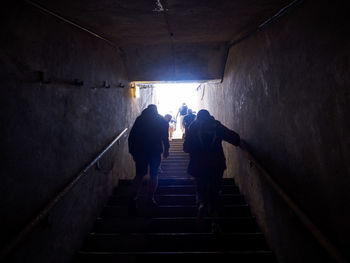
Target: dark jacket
pixel 203 141
pixel 188 119
pixel 149 135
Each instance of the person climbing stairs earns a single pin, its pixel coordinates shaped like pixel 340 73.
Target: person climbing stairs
pixel 169 232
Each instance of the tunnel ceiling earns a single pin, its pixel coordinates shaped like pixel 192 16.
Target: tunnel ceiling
pixel 169 39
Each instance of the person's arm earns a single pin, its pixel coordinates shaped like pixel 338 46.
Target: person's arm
pixel 230 136
pixel 177 114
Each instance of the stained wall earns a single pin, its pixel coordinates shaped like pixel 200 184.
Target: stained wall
pixel 286 92
pixel 53 124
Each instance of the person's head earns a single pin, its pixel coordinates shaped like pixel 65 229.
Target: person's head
pixel 184 104
pixel 168 117
pixel 152 109
pixel 203 115
pixel 189 111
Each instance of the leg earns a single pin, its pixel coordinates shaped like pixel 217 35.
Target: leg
pixel 136 185
pixel 215 200
pixel 182 126
pixel 141 170
pixel 170 133
pixel 202 201
pixel 154 165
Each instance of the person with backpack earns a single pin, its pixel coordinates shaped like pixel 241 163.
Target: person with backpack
pixel 182 112
pixel 203 142
pixel 148 139
pixel 188 119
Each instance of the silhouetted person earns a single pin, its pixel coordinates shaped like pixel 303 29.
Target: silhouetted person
pixel 148 139
pixel 207 161
pixel 172 125
pixel 182 112
pixel 188 119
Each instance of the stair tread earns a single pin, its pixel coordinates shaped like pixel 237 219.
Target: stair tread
pixel 175 241
pixel 185 234
pixel 180 252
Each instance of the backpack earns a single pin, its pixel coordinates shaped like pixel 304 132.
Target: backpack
pixel 183 110
pixel 207 135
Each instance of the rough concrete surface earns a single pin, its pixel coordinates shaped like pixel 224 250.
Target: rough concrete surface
pixel 50 131
pixel 169 40
pixel 286 92
pixel 178 62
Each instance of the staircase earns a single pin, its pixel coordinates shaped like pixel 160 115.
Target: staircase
pixel 167 233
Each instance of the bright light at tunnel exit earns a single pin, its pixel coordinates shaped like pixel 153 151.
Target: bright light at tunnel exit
pixel 170 97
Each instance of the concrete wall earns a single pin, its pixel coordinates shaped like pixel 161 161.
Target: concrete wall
pixel 51 131
pixel 286 92
pixel 177 62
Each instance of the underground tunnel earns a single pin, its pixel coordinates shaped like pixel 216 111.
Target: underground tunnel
pixel 75 75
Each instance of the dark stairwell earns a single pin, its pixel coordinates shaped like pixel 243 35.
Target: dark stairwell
pixel 277 72
pixel 169 232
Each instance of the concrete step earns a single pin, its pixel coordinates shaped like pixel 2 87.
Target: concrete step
pixel 176 159
pixel 176 149
pixel 173 211
pixel 175 181
pixel 188 224
pixel 174 242
pixel 179 153
pixel 173 169
pixel 173 173
pixel 176 165
pixel 173 177
pixel 175 189
pixel 177 199
pixel 186 180
pixel 191 199
pixel 186 157
pixel 173 164
pixel 176 257
pixel 190 189
pixel 166 186
pixel 172 225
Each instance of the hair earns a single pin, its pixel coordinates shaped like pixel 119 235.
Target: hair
pixel 152 108
pixel 189 111
pixel 203 114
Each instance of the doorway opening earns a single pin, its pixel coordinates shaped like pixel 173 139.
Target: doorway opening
pixel 171 96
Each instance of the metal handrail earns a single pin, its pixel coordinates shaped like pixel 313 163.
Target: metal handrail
pixel 318 235
pixel 44 213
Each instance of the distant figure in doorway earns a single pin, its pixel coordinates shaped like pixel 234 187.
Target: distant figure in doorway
pixel 172 125
pixel 182 112
pixel 207 162
pixel 148 139
pixel 188 119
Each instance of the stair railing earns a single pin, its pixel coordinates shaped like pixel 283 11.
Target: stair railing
pixel 46 210
pixel 318 235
